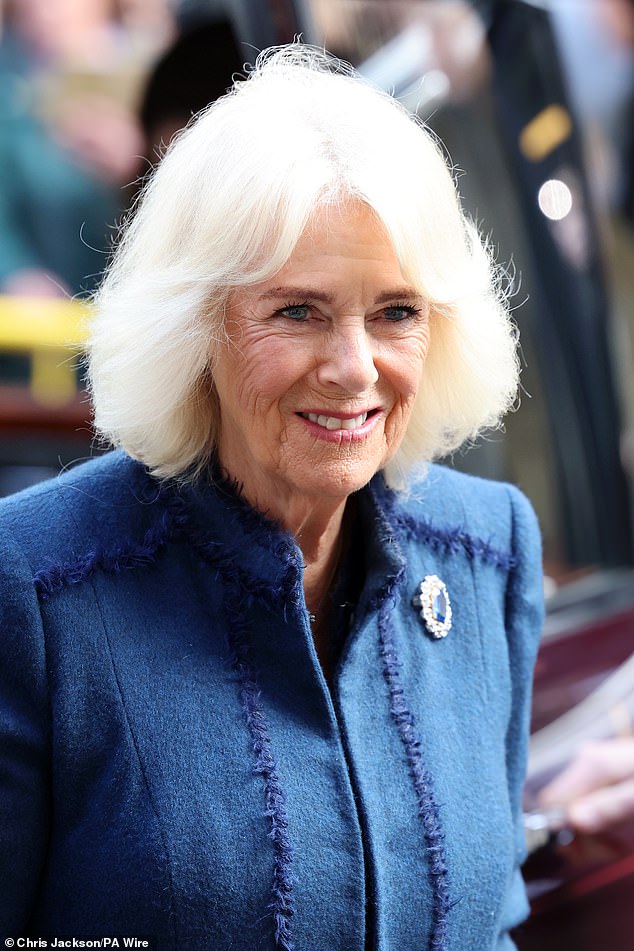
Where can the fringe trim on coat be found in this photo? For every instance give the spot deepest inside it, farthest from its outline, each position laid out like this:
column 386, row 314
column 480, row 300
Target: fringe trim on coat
column 264, row 765
column 427, row 806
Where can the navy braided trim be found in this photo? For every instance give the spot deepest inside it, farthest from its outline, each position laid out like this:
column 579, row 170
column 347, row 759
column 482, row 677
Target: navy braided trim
column 132, row 554
column 427, row 806
column 241, row 591
column 264, row 765
column 454, row 541
column 253, row 590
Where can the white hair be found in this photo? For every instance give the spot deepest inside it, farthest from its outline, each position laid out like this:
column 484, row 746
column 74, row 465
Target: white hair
column 226, row 207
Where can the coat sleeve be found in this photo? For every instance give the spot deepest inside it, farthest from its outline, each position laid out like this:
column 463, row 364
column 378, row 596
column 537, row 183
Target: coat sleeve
column 24, row 743
column 524, row 620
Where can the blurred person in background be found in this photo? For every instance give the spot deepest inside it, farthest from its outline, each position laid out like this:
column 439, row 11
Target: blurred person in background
column 596, row 789
column 591, row 35
column 69, row 139
column 196, row 69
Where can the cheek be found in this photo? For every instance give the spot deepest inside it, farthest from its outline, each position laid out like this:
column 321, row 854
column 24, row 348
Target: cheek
column 406, row 366
column 254, row 377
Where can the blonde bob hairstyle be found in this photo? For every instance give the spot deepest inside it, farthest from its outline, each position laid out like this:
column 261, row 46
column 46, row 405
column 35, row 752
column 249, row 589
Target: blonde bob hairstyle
column 225, row 208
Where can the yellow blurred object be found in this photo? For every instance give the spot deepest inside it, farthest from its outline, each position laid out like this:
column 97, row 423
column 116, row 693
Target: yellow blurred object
column 545, row 132
column 53, row 377
column 51, row 331
column 29, row 323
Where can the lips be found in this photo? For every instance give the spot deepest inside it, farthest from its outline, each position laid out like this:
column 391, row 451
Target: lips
column 333, row 423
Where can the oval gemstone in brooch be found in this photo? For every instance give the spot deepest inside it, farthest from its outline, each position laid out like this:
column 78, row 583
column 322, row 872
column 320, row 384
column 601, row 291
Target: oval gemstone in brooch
column 432, row 598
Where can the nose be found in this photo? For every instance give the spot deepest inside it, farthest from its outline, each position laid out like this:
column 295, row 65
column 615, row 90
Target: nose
column 347, row 359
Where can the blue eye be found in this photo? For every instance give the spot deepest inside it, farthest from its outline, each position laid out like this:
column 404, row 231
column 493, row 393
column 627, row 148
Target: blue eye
column 296, row 312
column 398, row 312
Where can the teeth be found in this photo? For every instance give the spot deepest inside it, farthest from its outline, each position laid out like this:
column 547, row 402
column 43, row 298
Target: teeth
column 353, row 423
column 331, row 422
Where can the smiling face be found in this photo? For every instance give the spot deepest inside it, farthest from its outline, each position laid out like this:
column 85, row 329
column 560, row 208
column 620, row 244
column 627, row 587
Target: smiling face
column 319, row 376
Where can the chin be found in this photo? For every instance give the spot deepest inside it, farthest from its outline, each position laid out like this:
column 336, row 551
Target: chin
column 338, row 485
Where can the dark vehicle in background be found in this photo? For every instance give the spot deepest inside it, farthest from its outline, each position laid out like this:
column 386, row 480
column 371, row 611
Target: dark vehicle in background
column 581, row 887
column 496, row 81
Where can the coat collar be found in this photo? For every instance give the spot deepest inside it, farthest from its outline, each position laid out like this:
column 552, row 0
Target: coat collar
column 219, row 520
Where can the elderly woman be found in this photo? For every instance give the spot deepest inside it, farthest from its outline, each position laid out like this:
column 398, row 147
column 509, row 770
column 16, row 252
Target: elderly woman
column 265, row 672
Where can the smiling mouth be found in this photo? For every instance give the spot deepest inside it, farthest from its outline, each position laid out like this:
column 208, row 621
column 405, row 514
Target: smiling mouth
column 334, row 423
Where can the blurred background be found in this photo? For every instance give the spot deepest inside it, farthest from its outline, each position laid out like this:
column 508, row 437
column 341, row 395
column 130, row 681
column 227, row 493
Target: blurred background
column 534, row 102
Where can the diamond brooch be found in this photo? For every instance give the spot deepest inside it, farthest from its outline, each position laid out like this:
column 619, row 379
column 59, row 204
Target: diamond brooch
column 435, row 607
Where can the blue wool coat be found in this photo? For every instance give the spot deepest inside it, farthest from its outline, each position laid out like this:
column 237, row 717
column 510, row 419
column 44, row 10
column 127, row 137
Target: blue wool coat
column 174, row 764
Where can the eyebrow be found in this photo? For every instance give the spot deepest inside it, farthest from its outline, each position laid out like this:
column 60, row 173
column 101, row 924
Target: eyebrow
column 311, row 293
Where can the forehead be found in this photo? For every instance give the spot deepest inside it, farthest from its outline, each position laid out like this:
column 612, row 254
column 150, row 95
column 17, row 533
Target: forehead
column 343, row 254
column 347, row 239
column 335, row 222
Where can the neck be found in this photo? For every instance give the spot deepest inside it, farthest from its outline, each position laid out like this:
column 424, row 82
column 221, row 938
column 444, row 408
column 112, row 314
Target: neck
column 321, row 546
column 315, row 521
column 317, row 524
